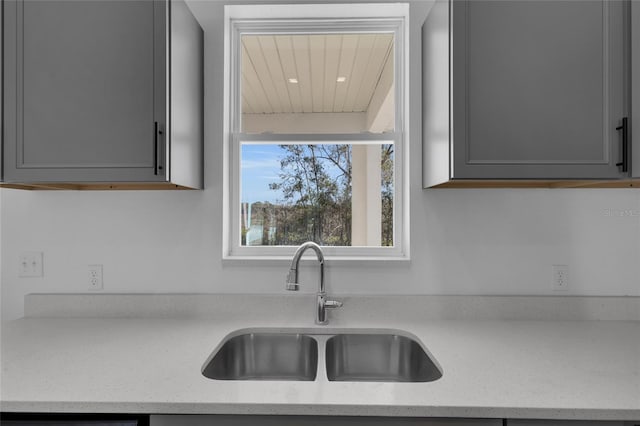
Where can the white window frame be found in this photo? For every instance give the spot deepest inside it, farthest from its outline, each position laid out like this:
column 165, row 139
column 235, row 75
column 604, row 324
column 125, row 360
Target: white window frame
column 314, row 18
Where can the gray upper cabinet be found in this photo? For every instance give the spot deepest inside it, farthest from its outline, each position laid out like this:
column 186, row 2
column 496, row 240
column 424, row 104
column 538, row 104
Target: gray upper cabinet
column 635, row 87
column 518, row 422
column 534, row 90
column 94, row 92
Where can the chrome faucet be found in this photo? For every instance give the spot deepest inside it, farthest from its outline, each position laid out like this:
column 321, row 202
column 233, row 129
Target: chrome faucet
column 292, row 282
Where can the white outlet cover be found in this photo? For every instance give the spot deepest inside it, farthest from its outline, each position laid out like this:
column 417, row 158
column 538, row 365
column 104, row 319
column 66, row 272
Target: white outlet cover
column 560, row 278
column 95, row 278
column 30, row 264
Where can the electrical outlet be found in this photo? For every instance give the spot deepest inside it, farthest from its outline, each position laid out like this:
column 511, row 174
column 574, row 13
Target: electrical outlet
column 30, row 264
column 95, row 277
column 560, row 281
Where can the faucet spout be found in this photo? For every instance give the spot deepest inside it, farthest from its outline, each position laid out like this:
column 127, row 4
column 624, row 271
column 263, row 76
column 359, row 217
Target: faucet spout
column 321, row 296
column 292, row 277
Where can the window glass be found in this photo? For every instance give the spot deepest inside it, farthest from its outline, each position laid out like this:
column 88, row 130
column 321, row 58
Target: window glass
column 333, row 194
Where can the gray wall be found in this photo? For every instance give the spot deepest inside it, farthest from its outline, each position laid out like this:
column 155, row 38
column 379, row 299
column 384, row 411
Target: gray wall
column 462, row 241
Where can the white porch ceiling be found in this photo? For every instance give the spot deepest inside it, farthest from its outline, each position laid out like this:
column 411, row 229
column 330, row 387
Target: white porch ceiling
column 315, row 62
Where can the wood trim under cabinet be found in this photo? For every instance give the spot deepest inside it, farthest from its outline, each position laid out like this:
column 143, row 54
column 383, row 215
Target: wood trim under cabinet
column 473, row 183
column 125, row 186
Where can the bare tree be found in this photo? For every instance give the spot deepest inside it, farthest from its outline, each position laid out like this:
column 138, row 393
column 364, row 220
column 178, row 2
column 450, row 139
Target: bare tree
column 315, row 183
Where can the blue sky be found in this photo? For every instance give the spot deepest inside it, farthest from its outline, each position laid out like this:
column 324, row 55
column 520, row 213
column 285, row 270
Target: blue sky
column 260, row 167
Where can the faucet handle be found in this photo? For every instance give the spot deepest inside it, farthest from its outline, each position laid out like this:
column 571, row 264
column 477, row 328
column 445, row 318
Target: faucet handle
column 332, row 304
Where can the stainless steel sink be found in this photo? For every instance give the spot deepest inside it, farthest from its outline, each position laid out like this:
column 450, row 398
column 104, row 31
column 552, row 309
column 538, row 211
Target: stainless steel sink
column 265, row 356
column 378, row 358
column 294, row 354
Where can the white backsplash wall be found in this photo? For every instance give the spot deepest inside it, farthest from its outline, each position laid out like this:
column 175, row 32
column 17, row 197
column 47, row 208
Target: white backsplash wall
column 474, row 242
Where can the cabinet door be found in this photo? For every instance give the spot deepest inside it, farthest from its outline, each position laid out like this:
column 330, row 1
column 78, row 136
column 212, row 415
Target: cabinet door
column 82, row 101
column 68, row 423
column 1, row 96
column 538, row 88
column 67, row 419
column 247, row 420
column 635, row 86
column 562, row 423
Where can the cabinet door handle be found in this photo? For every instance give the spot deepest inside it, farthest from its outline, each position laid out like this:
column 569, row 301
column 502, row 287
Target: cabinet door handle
column 625, row 144
column 155, row 148
column 157, row 152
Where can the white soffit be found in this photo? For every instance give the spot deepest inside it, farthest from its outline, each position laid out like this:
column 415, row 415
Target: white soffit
column 313, row 73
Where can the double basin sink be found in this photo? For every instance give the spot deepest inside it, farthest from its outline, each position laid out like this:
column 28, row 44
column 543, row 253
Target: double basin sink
column 359, row 356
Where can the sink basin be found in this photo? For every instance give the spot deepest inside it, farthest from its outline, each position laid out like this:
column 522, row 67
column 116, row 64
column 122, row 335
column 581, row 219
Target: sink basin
column 347, row 355
column 265, row 356
column 378, row 358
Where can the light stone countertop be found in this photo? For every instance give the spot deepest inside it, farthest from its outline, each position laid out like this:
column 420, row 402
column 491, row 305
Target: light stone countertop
column 492, row 368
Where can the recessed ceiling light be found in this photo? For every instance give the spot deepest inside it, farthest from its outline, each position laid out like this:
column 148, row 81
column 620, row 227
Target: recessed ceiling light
column 341, row 79
column 293, row 80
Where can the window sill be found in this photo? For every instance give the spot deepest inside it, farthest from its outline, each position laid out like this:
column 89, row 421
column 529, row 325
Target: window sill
column 339, row 260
